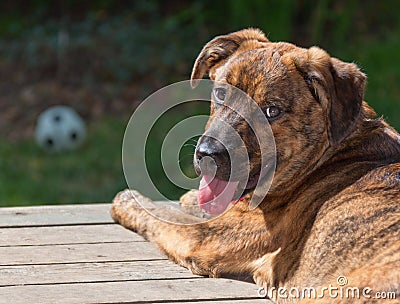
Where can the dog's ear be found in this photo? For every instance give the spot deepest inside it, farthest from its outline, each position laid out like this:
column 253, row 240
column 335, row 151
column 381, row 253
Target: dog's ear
column 219, row 49
column 338, row 86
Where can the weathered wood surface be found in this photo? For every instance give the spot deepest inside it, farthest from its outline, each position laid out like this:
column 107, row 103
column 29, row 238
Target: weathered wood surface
column 91, row 272
column 75, row 254
column 51, row 215
column 79, row 234
column 132, row 291
column 78, row 253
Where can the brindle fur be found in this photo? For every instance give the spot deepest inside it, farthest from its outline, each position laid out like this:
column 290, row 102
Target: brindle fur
column 334, row 205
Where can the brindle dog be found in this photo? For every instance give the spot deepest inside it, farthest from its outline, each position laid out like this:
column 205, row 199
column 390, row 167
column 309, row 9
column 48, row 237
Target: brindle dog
column 334, row 205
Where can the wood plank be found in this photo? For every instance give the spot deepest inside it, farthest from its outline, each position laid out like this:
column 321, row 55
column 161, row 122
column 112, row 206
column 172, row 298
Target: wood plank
column 132, row 292
column 238, row 301
column 57, row 235
column 78, row 253
column 91, row 272
column 59, row 215
column 55, row 215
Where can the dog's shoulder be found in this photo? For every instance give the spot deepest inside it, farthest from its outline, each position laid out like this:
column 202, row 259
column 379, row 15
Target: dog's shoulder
column 371, row 199
column 383, row 181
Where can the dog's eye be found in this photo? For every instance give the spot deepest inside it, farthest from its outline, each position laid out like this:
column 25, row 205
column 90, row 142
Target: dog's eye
column 272, row 112
column 220, row 95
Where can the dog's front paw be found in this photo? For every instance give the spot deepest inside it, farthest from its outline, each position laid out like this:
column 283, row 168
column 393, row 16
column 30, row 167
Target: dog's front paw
column 127, row 211
column 189, row 204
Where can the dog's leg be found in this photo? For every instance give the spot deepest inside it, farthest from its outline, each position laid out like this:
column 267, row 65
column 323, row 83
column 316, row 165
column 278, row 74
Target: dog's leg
column 210, row 248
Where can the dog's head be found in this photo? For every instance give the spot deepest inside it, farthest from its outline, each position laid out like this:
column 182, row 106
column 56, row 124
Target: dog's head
column 312, row 102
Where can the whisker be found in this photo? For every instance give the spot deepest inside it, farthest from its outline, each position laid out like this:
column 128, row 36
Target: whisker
column 194, row 140
column 184, row 157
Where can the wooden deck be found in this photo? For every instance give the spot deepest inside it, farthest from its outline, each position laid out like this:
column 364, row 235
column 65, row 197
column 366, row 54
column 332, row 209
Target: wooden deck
column 76, row 254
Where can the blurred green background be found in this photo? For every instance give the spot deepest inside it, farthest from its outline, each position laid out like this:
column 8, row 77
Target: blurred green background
column 103, row 57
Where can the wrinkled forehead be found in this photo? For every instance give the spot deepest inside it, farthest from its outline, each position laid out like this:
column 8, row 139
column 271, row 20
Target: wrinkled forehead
column 254, row 71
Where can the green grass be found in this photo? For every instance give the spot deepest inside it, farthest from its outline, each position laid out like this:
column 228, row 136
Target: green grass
column 381, row 63
column 30, row 176
column 91, row 174
column 380, row 60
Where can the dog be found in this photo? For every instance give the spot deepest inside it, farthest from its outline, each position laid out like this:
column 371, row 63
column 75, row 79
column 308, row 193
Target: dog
column 333, row 209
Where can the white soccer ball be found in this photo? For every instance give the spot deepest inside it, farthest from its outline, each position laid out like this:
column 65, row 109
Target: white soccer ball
column 59, row 128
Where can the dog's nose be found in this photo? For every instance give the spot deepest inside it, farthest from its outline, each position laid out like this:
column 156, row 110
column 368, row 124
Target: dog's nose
column 209, row 150
column 209, row 146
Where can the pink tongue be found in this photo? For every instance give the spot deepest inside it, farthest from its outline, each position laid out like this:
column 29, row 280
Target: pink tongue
column 215, row 195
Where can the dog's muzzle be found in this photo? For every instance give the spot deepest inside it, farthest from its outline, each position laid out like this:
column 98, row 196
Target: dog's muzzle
column 212, row 158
